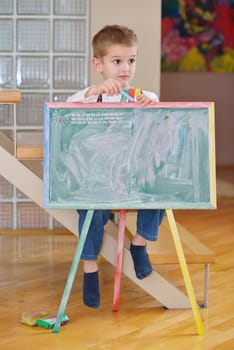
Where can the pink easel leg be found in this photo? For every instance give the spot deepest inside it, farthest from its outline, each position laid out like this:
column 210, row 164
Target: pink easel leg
column 119, row 260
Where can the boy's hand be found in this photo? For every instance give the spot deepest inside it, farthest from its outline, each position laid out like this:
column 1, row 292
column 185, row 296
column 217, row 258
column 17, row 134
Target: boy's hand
column 110, row 87
column 144, row 100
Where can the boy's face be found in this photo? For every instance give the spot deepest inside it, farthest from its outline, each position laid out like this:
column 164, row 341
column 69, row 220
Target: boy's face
column 119, row 63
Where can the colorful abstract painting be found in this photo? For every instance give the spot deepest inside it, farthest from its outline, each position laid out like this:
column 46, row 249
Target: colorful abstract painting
column 197, row 36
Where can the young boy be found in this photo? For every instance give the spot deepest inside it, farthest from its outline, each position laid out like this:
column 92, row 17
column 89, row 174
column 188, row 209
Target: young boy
column 115, row 51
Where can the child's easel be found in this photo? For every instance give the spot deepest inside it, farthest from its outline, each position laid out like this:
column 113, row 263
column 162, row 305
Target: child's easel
column 119, row 260
column 208, row 200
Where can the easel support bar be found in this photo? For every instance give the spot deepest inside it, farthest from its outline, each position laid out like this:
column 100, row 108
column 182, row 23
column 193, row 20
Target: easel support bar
column 185, row 272
column 119, row 260
column 73, row 270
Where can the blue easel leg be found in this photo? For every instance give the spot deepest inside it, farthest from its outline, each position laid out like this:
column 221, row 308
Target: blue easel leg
column 73, row 270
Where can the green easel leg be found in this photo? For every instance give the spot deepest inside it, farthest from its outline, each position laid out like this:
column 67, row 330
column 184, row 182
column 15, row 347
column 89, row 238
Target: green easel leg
column 73, row 270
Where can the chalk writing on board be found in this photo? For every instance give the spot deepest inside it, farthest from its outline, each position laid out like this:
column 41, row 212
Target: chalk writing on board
column 128, row 158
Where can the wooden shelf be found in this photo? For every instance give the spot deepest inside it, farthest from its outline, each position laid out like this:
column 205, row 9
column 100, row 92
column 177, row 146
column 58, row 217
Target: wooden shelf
column 164, row 252
column 10, row 96
column 29, row 145
column 29, row 152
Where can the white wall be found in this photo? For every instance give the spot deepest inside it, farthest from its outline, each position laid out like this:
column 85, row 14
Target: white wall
column 145, row 19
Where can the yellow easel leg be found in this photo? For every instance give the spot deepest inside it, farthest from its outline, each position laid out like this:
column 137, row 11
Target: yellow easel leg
column 185, row 272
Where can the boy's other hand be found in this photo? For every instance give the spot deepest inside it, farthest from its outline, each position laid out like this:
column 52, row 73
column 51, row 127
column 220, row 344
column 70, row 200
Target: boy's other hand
column 144, row 100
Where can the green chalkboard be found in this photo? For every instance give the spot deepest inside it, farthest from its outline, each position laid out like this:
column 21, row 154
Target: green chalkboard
column 100, row 156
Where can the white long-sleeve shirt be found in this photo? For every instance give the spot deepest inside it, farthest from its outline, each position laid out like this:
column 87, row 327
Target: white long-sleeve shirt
column 80, row 97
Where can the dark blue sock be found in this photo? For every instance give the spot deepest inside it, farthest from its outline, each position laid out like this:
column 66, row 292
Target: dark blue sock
column 91, row 295
column 141, row 261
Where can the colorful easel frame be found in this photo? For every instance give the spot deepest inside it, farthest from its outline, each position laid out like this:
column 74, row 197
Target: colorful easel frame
column 211, row 203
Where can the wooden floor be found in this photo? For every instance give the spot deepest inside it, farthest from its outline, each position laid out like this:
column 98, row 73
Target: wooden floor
column 33, row 274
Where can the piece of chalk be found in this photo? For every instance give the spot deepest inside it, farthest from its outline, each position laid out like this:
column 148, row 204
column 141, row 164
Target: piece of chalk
column 137, row 92
column 125, row 94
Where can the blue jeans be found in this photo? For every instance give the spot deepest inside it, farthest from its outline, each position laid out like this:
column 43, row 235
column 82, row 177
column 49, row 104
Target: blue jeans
column 148, row 221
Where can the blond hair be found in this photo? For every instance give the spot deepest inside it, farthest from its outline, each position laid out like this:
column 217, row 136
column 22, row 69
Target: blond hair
column 112, row 35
